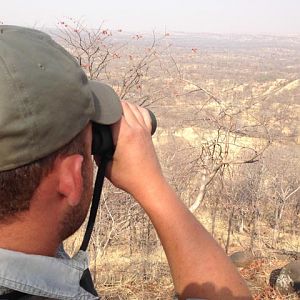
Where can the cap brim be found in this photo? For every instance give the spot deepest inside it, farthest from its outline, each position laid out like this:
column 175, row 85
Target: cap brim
column 108, row 109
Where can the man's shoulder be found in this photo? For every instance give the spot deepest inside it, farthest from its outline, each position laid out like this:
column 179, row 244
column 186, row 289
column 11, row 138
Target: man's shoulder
column 49, row 277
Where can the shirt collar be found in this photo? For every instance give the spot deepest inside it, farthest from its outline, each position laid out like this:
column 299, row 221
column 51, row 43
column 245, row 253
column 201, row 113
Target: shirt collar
column 44, row 276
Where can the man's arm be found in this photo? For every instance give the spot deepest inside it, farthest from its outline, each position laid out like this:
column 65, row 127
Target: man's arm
column 199, row 266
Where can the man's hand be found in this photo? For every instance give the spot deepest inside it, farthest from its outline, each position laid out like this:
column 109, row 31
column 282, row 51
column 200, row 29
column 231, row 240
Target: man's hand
column 134, row 163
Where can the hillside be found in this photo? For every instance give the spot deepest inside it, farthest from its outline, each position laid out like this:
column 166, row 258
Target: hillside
column 228, row 109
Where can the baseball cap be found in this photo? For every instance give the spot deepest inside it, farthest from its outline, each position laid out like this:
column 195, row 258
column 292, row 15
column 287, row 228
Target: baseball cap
column 46, row 99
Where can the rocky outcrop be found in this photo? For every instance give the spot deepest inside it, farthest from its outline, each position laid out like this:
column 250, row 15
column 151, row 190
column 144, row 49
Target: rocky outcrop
column 242, row 259
column 288, row 278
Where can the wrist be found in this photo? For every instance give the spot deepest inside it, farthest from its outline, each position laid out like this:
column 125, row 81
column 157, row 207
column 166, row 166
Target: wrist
column 152, row 190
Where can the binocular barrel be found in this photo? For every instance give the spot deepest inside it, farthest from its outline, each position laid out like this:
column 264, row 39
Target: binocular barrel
column 153, row 121
column 102, row 143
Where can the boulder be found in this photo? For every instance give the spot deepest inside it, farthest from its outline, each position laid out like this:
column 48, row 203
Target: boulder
column 273, row 277
column 288, row 280
column 242, row 259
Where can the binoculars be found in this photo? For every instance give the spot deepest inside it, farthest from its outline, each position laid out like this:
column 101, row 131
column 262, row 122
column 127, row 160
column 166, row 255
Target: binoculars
column 102, row 142
column 103, row 146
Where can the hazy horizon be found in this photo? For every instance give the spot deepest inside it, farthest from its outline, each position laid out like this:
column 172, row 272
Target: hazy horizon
column 190, row 16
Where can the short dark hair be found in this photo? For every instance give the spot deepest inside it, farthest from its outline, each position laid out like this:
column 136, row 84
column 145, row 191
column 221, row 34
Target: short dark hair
column 17, row 186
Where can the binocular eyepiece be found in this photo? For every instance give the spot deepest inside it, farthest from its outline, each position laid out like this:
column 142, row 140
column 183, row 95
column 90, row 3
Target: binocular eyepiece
column 102, row 142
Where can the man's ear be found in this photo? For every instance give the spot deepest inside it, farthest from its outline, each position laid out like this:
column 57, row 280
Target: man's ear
column 70, row 184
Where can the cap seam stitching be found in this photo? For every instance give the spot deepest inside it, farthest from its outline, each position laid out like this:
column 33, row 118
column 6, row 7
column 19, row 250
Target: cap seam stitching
column 26, row 110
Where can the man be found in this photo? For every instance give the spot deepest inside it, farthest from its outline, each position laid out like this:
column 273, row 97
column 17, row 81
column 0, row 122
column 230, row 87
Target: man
column 47, row 106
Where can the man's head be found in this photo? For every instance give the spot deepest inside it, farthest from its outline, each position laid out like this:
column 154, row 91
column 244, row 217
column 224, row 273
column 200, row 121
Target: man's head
column 46, row 106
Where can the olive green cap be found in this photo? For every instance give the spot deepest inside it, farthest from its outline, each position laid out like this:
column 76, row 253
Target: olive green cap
column 45, row 97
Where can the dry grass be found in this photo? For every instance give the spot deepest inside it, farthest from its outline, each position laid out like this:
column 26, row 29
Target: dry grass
column 133, row 277
column 141, row 275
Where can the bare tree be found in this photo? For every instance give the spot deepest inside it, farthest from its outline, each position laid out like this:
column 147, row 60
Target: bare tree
column 224, row 146
column 116, row 61
column 282, row 193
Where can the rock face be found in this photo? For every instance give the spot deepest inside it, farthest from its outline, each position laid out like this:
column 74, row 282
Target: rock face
column 242, row 259
column 273, row 277
column 288, row 280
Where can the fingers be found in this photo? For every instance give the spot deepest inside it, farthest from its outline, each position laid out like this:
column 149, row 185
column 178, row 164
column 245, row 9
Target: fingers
column 133, row 117
column 136, row 110
column 135, row 114
column 146, row 117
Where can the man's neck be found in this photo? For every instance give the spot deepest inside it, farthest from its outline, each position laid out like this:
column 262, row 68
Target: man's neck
column 28, row 237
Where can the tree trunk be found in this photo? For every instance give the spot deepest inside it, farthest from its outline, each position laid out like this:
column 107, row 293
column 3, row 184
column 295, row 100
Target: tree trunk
column 214, row 216
column 229, row 231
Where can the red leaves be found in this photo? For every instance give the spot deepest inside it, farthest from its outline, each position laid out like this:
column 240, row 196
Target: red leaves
column 116, row 55
column 137, row 37
column 63, row 24
column 85, row 66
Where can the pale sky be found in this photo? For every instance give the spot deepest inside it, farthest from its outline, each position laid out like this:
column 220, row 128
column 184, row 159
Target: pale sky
column 218, row 16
